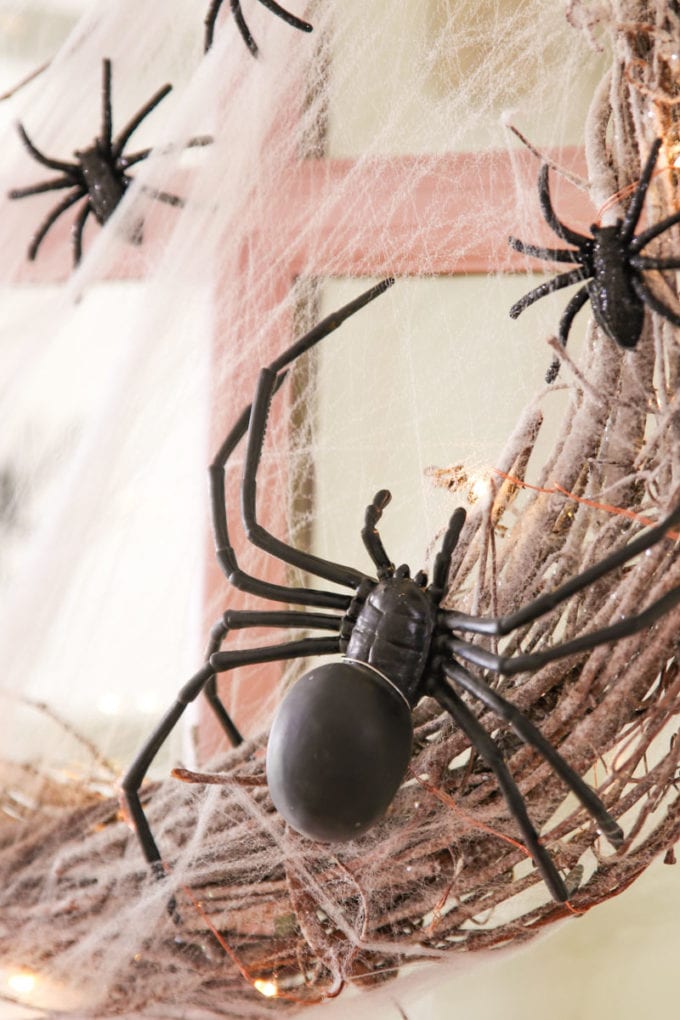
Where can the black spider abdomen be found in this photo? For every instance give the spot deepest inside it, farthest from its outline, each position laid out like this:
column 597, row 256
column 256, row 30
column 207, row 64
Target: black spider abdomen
column 104, row 184
column 338, row 750
column 393, row 633
column 616, row 307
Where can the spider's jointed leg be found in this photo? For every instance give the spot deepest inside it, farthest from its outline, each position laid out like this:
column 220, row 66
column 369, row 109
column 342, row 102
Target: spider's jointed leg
column 500, row 625
column 557, row 283
column 218, row 662
column 371, row 537
column 255, row 422
column 49, row 221
column 527, row 732
column 246, row 35
column 489, row 751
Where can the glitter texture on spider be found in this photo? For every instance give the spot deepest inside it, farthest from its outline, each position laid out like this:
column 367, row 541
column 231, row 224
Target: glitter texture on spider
column 611, row 262
column 271, row 5
column 100, row 176
column 341, row 739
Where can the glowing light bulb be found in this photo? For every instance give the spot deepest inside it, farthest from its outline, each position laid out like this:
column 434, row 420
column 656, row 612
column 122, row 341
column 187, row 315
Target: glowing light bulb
column 479, row 486
column 266, row 988
column 109, row 703
column 22, row 982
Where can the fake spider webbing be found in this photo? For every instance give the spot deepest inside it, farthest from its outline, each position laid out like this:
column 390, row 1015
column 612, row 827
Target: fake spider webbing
column 430, row 881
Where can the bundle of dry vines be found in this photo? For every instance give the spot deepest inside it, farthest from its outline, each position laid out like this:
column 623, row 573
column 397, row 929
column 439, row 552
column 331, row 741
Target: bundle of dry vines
column 265, row 910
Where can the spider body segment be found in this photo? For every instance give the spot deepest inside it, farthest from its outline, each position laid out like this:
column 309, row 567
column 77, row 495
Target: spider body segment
column 241, row 24
column 340, row 742
column 609, row 265
column 99, row 176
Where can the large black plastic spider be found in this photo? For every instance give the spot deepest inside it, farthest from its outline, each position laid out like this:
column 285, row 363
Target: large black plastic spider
column 341, row 739
column 611, row 260
column 271, row 5
column 100, row 174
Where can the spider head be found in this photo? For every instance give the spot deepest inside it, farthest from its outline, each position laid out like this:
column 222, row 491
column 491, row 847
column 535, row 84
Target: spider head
column 338, row 750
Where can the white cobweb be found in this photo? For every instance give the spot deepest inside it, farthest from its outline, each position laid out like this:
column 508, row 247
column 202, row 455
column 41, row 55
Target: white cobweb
column 120, row 379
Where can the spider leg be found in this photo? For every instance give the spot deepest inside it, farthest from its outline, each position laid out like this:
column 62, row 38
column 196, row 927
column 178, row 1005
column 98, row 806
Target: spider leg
column 442, row 561
column 574, row 306
column 226, row 555
column 527, row 732
column 371, row 537
column 160, row 196
column 637, row 201
column 121, row 139
column 643, row 262
column 124, row 162
column 53, row 164
column 49, row 221
column 550, row 254
column 286, row 16
column 646, row 236
column 37, row 189
column 237, row 14
column 266, row 388
column 487, row 748
column 218, row 662
column 235, row 619
column 210, row 19
column 507, row 665
column 107, row 116
column 246, row 35
column 556, row 283
column 200, row 141
column 77, row 233
column 549, row 214
column 649, row 298
column 499, row 625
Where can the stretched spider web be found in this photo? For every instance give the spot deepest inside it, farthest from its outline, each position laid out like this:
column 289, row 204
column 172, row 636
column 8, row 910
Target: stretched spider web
column 338, row 157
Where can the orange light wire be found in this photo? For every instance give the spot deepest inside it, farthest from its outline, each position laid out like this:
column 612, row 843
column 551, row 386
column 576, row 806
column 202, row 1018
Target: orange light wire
column 309, row 1000
column 558, row 490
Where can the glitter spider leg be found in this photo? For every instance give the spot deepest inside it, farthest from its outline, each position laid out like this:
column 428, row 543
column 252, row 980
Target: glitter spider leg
column 648, row 297
column 77, row 232
column 68, row 181
column 564, row 232
column 121, row 139
column 634, row 210
column 557, row 283
column 107, row 113
column 646, row 236
column 237, row 13
column 488, row 750
column 48, row 161
column 574, row 306
column 49, row 221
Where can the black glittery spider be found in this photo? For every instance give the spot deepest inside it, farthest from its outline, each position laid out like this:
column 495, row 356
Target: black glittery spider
column 271, row 5
column 100, row 174
column 341, row 740
column 611, row 261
